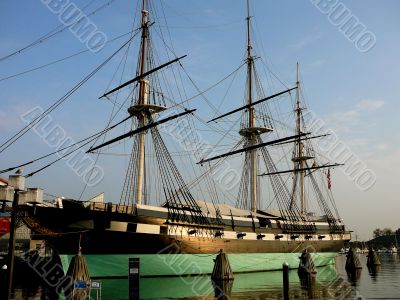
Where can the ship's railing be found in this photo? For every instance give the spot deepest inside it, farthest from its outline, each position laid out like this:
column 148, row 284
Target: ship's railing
column 113, row 208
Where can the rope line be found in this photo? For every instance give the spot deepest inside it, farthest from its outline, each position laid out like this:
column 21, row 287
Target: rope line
column 54, row 32
column 57, row 61
column 35, row 121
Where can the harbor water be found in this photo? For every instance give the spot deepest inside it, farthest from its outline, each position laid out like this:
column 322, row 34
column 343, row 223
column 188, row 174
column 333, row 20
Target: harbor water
column 331, row 282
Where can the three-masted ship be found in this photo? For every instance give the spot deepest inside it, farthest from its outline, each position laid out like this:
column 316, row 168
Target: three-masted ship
column 180, row 236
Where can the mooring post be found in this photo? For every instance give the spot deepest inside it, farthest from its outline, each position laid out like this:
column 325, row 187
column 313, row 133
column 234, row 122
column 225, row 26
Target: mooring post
column 306, row 265
column 11, row 244
column 285, row 281
column 3, row 281
column 352, row 261
column 222, row 270
column 373, row 258
column 134, row 278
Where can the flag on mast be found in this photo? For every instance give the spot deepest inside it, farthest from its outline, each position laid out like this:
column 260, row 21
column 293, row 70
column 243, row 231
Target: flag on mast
column 328, row 176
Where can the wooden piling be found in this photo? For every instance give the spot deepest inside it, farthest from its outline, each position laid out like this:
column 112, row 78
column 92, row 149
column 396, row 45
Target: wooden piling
column 134, row 278
column 222, row 269
column 11, row 245
column 352, row 261
column 285, row 267
column 3, row 280
column 373, row 258
column 79, row 273
column 308, row 282
column 222, row 289
column 354, row 275
column 306, row 265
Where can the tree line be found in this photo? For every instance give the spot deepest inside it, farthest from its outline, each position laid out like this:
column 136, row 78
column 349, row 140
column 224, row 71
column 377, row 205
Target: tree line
column 385, row 231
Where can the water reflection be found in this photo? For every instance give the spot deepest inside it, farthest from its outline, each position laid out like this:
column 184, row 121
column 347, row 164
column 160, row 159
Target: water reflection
column 376, row 281
column 354, row 276
column 222, row 289
column 331, row 282
column 309, row 284
column 326, row 284
column 373, row 271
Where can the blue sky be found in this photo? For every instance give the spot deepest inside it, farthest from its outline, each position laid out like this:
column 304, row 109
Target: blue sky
column 355, row 93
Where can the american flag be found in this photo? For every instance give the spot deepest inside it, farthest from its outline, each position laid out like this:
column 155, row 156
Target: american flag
column 328, row 176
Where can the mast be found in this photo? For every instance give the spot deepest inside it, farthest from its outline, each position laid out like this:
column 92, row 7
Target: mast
column 142, row 109
column 300, row 157
column 252, row 132
column 299, row 143
column 252, row 138
column 142, row 101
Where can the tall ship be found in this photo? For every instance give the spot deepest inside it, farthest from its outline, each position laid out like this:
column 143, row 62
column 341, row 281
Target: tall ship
column 175, row 222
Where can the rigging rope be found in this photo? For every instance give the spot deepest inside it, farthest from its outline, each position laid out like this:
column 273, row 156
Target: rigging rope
column 112, row 114
column 91, row 138
column 35, row 121
column 54, row 32
column 58, row 60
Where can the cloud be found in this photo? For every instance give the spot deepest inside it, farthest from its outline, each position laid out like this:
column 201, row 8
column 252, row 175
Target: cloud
column 307, row 40
column 358, row 142
column 346, row 121
column 381, row 146
column 10, row 117
column 317, row 63
column 382, row 164
column 370, row 104
column 342, row 122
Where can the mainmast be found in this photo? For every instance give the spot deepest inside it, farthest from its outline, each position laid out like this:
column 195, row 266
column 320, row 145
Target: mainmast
column 141, row 109
column 251, row 132
column 142, row 100
column 252, row 138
